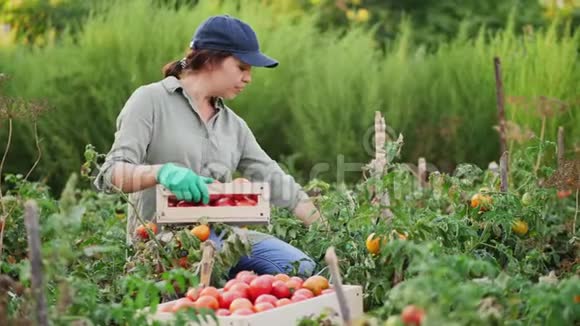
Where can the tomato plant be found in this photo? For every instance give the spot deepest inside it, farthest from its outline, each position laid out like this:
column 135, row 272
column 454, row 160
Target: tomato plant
column 510, row 259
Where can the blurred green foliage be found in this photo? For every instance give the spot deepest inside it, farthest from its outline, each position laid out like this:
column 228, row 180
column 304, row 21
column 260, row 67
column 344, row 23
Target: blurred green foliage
column 41, row 21
column 330, row 83
column 433, row 20
column 33, row 21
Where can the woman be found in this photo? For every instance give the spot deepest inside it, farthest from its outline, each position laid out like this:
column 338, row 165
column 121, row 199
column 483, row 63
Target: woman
column 179, row 133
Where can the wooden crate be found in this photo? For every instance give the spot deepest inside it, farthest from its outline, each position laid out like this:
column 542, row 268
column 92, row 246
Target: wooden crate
column 237, row 215
column 287, row 315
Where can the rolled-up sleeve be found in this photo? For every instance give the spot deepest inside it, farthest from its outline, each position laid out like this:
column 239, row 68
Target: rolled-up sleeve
column 132, row 137
column 256, row 165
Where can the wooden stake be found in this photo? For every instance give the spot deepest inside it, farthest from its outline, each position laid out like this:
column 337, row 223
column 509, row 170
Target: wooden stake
column 332, row 262
column 503, row 169
column 33, row 231
column 207, row 260
column 380, row 162
column 380, row 139
column 500, row 104
column 422, row 173
column 561, row 150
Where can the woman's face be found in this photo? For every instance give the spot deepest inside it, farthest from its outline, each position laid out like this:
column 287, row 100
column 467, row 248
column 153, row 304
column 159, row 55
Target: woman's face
column 230, row 78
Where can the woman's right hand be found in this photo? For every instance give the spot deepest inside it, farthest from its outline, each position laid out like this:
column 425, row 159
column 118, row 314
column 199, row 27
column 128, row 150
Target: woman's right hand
column 184, row 183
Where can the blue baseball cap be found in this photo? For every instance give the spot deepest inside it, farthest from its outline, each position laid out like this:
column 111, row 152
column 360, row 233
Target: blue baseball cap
column 227, row 33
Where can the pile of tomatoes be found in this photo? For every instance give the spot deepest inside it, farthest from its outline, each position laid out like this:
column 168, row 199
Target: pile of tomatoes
column 217, row 200
column 249, row 294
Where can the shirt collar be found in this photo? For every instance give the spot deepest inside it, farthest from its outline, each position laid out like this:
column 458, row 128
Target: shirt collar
column 219, row 103
column 172, row 84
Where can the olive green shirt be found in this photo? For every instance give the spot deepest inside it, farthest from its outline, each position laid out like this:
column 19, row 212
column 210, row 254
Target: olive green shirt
column 160, row 123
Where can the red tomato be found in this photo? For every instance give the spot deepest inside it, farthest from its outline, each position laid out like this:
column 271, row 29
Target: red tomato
column 293, row 285
column 243, row 312
column 282, row 277
column 242, row 273
column 183, row 263
column 297, row 280
column 260, row 285
column 250, row 198
column 240, row 287
column 304, row 292
column 193, row 294
column 222, row 312
column 247, row 278
column 562, row 194
column 283, row 302
column 266, row 298
column 172, row 201
column 298, row 298
column 184, row 203
column 141, row 230
column 245, row 201
column 207, row 302
column 263, row 306
column 230, row 283
column 412, row 315
column 269, row 277
column 211, row 291
column 237, row 197
column 241, row 303
column 225, row 201
column 183, row 303
column 280, row 289
column 225, row 300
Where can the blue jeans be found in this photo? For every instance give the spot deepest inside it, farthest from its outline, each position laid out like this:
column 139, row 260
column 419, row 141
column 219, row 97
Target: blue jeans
column 270, row 256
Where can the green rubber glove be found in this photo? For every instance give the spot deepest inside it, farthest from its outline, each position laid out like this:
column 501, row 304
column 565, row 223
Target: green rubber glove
column 184, row 183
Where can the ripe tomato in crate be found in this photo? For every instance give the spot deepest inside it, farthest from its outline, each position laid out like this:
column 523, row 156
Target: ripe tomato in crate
column 232, row 203
column 239, row 307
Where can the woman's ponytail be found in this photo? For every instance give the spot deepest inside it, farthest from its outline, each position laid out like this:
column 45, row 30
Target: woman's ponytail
column 173, row 68
column 195, row 60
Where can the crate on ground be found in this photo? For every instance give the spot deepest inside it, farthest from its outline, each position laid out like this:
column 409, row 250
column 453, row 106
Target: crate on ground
column 287, row 315
column 237, row 203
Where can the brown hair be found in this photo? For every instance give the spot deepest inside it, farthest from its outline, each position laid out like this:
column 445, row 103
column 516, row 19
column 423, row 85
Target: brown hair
column 195, row 60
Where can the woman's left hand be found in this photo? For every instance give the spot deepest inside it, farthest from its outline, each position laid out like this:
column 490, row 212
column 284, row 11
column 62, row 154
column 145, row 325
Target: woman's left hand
column 306, row 212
